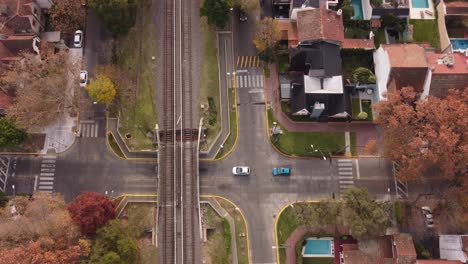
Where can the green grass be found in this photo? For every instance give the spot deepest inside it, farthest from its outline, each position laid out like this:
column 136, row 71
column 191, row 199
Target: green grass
column 426, row 31
column 115, row 147
column 379, row 37
column 231, row 140
column 354, row 148
column 283, row 63
column 318, row 260
column 138, row 113
column 209, row 83
column 366, row 107
column 298, row 143
column 227, row 235
column 355, row 107
column 216, row 249
column 352, row 59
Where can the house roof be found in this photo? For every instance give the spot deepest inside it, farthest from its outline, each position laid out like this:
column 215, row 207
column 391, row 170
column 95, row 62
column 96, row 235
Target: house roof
column 437, row 61
column 358, row 44
column 456, row 8
column 319, row 24
column 288, row 31
column 359, row 257
column 322, row 57
column 17, row 44
column 404, row 245
column 451, row 247
column 406, row 55
column 438, row 261
column 333, row 85
column 17, row 19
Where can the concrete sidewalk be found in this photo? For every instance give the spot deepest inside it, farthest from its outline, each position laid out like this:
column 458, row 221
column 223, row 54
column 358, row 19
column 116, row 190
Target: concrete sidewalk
column 60, row 135
column 364, row 131
column 112, row 128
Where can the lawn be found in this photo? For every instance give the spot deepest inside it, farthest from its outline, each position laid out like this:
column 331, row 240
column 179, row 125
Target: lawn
column 298, row 143
column 210, row 85
column 367, row 107
column 355, row 107
column 217, row 248
column 426, row 31
column 318, row 260
column 231, row 140
column 133, row 53
column 352, row 59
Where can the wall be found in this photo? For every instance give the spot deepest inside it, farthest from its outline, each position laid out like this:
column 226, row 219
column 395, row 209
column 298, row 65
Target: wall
column 382, row 71
column 444, row 38
column 366, row 9
column 427, row 84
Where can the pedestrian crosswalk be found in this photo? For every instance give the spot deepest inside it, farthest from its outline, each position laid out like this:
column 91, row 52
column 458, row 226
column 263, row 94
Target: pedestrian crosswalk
column 89, row 128
column 249, row 81
column 46, row 177
column 345, row 173
column 248, row 62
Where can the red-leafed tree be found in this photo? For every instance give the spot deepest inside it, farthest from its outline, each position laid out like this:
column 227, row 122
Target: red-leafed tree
column 90, row 211
column 426, row 137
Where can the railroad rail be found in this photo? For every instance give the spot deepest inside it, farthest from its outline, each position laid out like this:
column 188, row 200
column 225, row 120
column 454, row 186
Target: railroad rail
column 178, row 207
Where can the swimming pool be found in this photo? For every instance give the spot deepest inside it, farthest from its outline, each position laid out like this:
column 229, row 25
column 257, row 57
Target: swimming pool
column 318, row 247
column 459, row 44
column 357, row 6
column 420, row 3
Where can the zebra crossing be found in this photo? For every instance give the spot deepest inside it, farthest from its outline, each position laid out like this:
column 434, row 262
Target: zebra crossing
column 345, row 173
column 89, row 128
column 249, row 81
column 248, row 62
column 46, row 177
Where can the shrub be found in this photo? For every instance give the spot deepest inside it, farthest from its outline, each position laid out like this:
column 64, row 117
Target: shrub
column 10, row 135
column 362, row 116
column 398, row 212
column 363, row 76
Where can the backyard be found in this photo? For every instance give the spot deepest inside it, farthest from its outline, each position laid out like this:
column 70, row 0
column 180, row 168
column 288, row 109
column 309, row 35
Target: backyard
column 209, row 92
column 133, row 54
column 426, row 31
column 361, row 104
column 353, row 59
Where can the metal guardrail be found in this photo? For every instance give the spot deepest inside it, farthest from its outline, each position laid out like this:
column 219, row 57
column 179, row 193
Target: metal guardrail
column 401, row 188
column 4, row 172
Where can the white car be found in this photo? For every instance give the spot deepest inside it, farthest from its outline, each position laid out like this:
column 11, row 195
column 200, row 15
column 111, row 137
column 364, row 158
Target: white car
column 241, row 170
column 83, row 78
column 78, row 39
column 428, row 218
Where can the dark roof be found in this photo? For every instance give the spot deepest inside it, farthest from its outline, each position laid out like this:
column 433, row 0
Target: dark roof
column 308, row 3
column 400, row 12
column 297, row 100
column 318, row 56
column 17, row 44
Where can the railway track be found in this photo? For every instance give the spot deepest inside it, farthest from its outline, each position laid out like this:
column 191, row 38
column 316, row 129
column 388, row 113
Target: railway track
column 178, row 207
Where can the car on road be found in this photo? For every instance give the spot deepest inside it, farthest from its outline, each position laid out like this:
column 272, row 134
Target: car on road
column 428, row 217
column 242, row 16
column 78, row 39
column 241, row 170
column 281, row 171
column 83, row 78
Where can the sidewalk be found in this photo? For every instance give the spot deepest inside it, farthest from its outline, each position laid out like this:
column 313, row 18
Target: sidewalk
column 112, row 128
column 60, row 135
column 364, row 131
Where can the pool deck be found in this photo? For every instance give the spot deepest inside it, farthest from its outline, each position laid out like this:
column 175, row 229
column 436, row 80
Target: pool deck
column 420, row 13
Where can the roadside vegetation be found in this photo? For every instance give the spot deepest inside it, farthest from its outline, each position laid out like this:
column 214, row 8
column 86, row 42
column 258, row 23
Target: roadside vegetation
column 231, row 140
column 217, row 248
column 114, row 146
column 209, row 95
column 299, row 143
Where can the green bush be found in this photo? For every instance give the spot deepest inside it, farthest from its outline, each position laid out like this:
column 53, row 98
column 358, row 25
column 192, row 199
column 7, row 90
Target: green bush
column 390, row 20
column 421, row 251
column 217, row 12
column 398, row 212
column 362, row 116
column 10, row 135
column 363, row 75
column 118, row 16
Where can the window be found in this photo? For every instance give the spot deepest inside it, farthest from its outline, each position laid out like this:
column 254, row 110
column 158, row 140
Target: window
column 34, row 23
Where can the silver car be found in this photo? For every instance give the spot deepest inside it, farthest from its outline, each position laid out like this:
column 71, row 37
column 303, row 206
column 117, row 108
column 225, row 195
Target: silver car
column 241, row 170
column 428, row 217
column 78, row 39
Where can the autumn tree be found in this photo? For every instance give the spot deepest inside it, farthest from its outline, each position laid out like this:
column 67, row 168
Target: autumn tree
column 91, row 211
column 118, row 15
column 101, row 89
column 426, row 136
column 10, row 135
column 364, row 215
column 216, row 11
column 371, row 147
column 42, row 87
column 113, row 245
column 67, row 15
column 246, row 5
column 267, row 34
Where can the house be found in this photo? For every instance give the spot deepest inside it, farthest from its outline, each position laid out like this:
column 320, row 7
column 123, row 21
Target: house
column 451, row 25
column 449, row 71
column 401, row 65
column 21, row 17
column 454, row 247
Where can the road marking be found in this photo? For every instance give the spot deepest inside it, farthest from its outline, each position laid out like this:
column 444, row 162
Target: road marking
column 45, row 183
column 346, row 182
column 256, row 91
column 345, row 177
column 50, row 157
column 345, row 161
column 358, row 175
column 47, row 178
column 45, row 187
column 47, row 170
column 345, row 186
column 345, row 168
column 238, row 60
column 345, row 173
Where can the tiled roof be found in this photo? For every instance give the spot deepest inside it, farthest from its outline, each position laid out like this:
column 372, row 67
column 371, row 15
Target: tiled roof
column 415, row 78
column 18, row 18
column 459, row 66
column 359, row 257
column 406, row 55
column 323, row 24
column 438, row 261
column 456, row 8
column 404, row 245
column 358, row 44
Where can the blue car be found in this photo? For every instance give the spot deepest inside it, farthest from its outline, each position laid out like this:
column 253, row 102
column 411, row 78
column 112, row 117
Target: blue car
column 281, row 171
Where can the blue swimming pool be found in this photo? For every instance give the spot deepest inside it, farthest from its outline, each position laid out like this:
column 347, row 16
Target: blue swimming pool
column 459, row 44
column 319, row 247
column 420, row 3
column 357, row 6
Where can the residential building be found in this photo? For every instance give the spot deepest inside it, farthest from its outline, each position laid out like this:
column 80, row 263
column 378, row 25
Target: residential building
column 23, row 17
column 454, row 247
column 449, row 71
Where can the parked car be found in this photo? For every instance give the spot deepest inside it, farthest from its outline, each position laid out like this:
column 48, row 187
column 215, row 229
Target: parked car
column 428, row 218
column 241, row 171
column 78, row 39
column 281, row 171
column 83, row 78
column 242, row 16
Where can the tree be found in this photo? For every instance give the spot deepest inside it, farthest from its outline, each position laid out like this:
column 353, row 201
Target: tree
column 426, row 136
column 216, row 11
column 101, row 89
column 246, row 5
column 9, row 134
column 371, row 147
column 67, row 15
column 362, row 75
column 113, row 245
column 91, row 211
column 118, row 15
column 42, row 87
column 365, row 216
column 3, row 199
column 348, row 10
column 267, row 34
column 392, row 21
